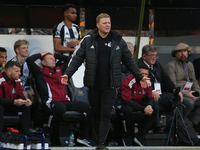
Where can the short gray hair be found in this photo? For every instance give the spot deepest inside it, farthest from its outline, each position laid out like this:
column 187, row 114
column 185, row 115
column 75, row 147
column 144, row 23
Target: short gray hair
column 148, row 48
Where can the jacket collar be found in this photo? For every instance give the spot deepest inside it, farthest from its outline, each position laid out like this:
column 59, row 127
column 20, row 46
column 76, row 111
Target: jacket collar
column 6, row 77
column 108, row 37
column 114, row 35
column 50, row 68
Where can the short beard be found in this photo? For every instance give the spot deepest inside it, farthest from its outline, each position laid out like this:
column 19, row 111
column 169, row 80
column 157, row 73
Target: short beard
column 183, row 59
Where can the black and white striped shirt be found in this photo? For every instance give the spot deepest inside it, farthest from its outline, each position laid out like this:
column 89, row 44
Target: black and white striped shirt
column 66, row 35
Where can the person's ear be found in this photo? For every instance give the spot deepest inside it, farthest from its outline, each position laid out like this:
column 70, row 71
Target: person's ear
column 143, row 56
column 97, row 25
column 9, row 72
column 43, row 62
column 65, row 13
column 17, row 50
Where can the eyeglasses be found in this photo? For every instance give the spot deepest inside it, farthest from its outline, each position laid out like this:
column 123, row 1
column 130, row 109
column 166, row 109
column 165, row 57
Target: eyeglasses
column 153, row 56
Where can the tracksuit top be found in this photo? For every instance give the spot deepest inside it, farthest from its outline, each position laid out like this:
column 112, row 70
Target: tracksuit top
column 132, row 90
column 48, row 80
column 10, row 90
column 56, row 89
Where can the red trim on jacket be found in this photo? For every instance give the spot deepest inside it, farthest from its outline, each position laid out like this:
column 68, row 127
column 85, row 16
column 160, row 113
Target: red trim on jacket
column 10, row 90
column 53, row 78
column 131, row 90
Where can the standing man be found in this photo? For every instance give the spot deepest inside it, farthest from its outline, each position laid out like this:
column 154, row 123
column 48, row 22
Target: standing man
column 21, row 50
column 3, row 58
column 66, row 34
column 162, row 86
column 103, row 50
column 12, row 99
column 181, row 72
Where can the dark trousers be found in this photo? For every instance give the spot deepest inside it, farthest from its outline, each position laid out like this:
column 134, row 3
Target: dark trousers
column 165, row 103
column 164, row 100
column 195, row 117
column 101, row 102
column 59, row 108
column 146, row 125
column 13, row 111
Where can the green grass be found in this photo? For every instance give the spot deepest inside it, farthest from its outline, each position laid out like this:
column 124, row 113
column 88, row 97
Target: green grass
column 162, row 149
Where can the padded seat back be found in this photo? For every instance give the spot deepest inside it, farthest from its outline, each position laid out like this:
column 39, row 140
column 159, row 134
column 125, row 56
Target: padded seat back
column 10, row 121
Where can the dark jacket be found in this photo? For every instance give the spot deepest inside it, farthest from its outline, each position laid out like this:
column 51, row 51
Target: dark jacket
column 166, row 83
column 88, row 49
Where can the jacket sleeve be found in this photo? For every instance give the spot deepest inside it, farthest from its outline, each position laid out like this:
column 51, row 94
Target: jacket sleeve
column 168, row 83
column 128, row 61
column 62, row 57
column 126, row 90
column 170, row 71
column 3, row 101
column 77, row 59
column 148, row 100
column 195, row 86
column 33, row 67
column 7, row 102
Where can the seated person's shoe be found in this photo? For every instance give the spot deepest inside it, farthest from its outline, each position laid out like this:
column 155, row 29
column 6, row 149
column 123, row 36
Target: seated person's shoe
column 127, row 141
column 86, row 141
column 101, row 147
column 137, row 142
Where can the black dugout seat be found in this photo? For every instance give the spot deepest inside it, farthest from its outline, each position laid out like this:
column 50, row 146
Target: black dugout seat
column 10, row 122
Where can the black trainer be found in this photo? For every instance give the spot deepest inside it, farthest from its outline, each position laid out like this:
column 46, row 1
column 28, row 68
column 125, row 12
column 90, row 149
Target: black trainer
column 101, row 147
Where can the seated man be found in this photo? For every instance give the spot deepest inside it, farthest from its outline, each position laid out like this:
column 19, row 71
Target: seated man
column 135, row 98
column 3, row 58
column 21, row 50
column 12, row 99
column 54, row 94
column 181, row 72
column 162, row 86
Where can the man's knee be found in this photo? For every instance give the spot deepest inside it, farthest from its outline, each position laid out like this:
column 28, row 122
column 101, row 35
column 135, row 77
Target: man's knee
column 85, row 107
column 58, row 108
column 127, row 110
column 188, row 102
column 106, row 114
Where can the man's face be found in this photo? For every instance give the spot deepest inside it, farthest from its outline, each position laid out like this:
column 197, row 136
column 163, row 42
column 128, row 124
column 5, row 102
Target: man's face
column 14, row 73
column 71, row 14
column 104, row 25
column 3, row 57
column 145, row 72
column 49, row 61
column 150, row 58
column 130, row 47
column 22, row 50
column 182, row 55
